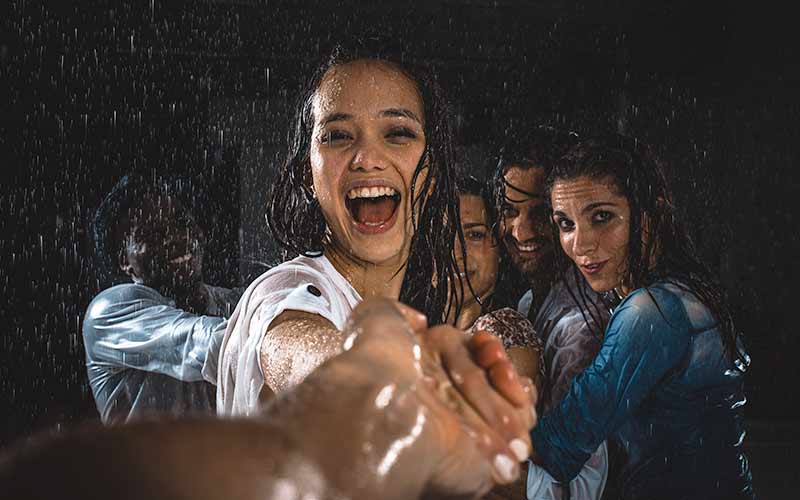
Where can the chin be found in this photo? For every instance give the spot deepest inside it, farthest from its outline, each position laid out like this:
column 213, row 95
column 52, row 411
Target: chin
column 380, row 254
column 599, row 285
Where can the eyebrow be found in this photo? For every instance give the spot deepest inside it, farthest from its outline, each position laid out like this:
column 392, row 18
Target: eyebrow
column 587, row 208
column 470, row 225
column 389, row 112
column 592, row 206
column 401, row 113
column 335, row 117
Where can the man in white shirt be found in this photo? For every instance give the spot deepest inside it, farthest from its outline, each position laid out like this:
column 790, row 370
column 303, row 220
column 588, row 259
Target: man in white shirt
column 152, row 343
column 569, row 331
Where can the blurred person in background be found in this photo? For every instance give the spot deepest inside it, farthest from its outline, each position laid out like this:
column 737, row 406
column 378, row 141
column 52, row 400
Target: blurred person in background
column 152, row 337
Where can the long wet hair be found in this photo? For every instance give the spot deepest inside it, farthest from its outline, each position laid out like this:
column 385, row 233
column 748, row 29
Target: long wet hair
column 659, row 247
column 295, row 217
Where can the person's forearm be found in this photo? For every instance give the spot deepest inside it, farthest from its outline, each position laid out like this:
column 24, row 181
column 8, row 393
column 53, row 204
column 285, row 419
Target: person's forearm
column 372, row 443
column 325, row 439
column 526, row 361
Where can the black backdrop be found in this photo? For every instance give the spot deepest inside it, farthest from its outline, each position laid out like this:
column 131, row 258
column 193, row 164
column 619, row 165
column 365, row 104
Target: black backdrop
column 90, row 90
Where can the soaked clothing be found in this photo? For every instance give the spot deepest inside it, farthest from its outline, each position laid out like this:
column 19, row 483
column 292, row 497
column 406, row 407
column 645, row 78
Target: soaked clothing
column 145, row 356
column 307, row 284
column 664, row 389
column 511, row 327
column 570, row 345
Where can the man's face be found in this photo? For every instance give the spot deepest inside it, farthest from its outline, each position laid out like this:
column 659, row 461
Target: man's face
column 163, row 249
column 524, row 222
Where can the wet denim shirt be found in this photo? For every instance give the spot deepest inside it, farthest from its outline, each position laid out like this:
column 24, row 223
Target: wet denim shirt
column 664, row 389
column 145, row 356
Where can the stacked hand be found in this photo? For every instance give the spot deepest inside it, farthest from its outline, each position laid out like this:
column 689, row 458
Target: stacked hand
column 475, row 411
column 407, row 411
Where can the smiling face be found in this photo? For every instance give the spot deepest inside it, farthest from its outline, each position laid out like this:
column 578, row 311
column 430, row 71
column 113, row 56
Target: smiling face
column 483, row 255
column 368, row 139
column 524, row 223
column 593, row 221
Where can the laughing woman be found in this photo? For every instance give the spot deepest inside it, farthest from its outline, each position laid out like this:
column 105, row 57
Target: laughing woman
column 364, row 197
column 667, row 383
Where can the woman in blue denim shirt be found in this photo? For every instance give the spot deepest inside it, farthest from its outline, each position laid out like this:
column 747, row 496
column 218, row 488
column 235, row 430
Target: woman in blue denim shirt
column 666, row 386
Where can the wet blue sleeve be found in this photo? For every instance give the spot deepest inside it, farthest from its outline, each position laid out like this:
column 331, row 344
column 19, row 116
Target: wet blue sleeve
column 135, row 327
column 643, row 341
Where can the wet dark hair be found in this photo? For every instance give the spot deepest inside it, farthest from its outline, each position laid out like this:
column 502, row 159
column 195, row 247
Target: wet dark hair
column 469, row 185
column 129, row 197
column 669, row 253
column 295, row 217
column 540, row 146
column 526, row 147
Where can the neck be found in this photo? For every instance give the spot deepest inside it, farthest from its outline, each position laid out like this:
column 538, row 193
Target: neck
column 540, row 287
column 469, row 313
column 368, row 278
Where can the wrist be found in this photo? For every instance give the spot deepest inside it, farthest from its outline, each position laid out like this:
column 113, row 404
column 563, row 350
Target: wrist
column 372, row 444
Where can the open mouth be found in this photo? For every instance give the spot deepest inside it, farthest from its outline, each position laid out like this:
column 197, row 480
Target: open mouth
column 527, row 248
column 373, row 208
column 593, row 268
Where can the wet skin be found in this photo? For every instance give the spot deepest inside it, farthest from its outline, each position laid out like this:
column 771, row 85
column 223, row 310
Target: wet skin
column 482, row 263
column 163, row 249
column 368, row 133
column 593, row 221
column 483, row 257
column 524, row 223
column 429, row 414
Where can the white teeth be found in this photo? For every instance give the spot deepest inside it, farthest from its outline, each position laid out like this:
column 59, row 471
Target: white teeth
column 527, row 248
column 181, row 259
column 370, row 192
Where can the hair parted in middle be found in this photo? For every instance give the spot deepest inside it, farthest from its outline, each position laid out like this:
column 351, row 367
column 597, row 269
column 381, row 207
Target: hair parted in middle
column 295, row 217
column 659, row 248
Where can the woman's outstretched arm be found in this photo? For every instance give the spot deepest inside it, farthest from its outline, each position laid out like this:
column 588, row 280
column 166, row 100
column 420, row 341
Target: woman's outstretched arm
column 404, row 412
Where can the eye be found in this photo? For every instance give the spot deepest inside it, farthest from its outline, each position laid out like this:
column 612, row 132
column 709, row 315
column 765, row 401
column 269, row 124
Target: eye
column 564, row 225
column 475, row 235
column 334, row 137
column 602, row 216
column 509, row 211
column 401, row 135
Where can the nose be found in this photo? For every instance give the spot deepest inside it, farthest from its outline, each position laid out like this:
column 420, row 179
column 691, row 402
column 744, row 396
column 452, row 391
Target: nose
column 369, row 155
column 524, row 228
column 584, row 241
column 459, row 254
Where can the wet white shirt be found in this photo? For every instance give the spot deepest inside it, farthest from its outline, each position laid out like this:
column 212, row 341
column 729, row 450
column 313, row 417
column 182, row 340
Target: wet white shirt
column 569, row 347
column 307, row 284
column 145, row 356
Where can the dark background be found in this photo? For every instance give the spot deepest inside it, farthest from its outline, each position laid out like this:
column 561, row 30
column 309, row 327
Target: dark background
column 92, row 90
